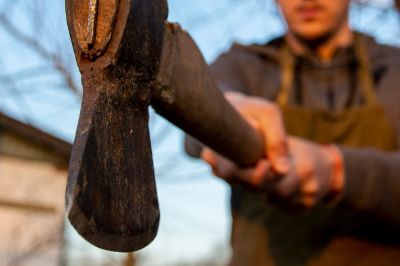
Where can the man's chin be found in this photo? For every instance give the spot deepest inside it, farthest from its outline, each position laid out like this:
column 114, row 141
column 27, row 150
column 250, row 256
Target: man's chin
column 313, row 38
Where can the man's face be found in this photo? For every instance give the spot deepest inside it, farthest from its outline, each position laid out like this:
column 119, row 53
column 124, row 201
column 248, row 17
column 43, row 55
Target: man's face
column 314, row 19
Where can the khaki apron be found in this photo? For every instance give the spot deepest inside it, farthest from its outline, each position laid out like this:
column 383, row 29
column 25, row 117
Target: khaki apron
column 263, row 234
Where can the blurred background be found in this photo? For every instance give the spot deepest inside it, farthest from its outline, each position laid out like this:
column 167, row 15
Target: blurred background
column 40, row 95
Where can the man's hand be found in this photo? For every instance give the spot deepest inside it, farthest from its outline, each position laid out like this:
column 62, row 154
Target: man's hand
column 319, row 170
column 295, row 170
column 265, row 117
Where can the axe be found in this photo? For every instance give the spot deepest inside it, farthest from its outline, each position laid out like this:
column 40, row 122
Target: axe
column 111, row 197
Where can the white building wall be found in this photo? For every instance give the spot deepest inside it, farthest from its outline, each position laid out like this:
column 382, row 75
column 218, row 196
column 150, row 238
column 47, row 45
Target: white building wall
column 31, row 212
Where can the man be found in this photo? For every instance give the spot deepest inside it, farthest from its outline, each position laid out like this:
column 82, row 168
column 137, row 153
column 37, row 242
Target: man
column 326, row 101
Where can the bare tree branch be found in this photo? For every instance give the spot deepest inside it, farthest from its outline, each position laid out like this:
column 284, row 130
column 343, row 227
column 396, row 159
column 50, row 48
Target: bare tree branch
column 54, row 58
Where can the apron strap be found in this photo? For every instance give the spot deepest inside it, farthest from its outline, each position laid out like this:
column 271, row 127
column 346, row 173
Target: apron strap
column 364, row 74
column 287, row 75
column 364, row 71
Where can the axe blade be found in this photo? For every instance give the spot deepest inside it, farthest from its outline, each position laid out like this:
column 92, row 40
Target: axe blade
column 111, row 195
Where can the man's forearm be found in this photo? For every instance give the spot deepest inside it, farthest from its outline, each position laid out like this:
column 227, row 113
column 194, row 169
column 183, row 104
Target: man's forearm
column 373, row 181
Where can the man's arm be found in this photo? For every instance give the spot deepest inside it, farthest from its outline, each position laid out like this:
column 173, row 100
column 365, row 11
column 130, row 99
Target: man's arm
column 372, row 177
column 369, row 180
column 372, row 181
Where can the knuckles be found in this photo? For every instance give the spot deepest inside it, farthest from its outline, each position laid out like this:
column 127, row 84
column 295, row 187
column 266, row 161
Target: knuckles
column 252, row 104
column 272, row 109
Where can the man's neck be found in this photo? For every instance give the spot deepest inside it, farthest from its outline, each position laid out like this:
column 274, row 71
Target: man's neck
column 323, row 48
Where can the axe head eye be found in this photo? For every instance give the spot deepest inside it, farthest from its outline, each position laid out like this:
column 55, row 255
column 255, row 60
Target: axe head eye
column 92, row 25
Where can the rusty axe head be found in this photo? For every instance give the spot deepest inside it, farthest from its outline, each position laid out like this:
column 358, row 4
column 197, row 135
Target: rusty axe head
column 111, row 195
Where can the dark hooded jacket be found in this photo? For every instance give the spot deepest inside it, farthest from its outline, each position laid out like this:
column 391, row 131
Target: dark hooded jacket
column 372, row 193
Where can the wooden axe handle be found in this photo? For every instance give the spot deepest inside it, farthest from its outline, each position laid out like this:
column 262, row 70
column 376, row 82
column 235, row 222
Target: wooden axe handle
column 193, row 103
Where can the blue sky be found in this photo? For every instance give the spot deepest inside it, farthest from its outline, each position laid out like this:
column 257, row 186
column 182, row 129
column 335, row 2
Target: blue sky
column 194, row 206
